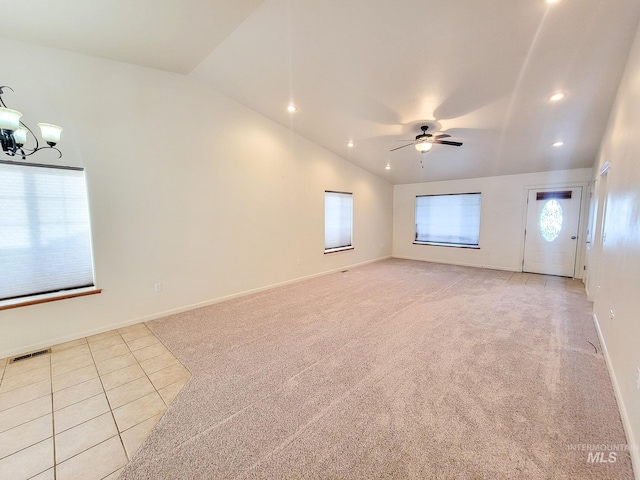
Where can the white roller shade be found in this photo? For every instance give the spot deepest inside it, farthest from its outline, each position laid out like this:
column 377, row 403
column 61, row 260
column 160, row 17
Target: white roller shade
column 448, row 219
column 338, row 220
column 45, row 234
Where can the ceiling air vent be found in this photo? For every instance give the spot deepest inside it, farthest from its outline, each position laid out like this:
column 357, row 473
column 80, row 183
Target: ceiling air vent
column 30, row 355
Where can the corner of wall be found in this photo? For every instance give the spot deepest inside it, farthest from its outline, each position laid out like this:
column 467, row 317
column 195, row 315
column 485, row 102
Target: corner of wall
column 634, row 449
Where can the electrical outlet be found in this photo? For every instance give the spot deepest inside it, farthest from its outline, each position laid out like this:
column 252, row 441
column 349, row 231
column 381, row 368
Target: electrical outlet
column 611, row 314
column 298, row 262
column 157, row 287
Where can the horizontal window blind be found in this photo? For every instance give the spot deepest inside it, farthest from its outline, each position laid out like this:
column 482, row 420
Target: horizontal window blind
column 448, row 219
column 45, row 235
column 338, row 219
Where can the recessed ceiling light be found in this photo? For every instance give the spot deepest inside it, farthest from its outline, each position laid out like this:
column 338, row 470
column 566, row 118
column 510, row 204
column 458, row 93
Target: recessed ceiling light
column 552, row 1
column 558, row 144
column 292, row 108
column 556, row 96
column 388, row 167
column 350, row 144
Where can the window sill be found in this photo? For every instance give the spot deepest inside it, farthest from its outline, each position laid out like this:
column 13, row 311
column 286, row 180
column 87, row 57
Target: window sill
column 338, row 249
column 48, row 297
column 455, row 245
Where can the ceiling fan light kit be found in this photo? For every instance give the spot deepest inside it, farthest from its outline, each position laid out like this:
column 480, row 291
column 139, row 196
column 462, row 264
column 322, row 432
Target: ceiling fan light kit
column 425, row 141
column 424, row 146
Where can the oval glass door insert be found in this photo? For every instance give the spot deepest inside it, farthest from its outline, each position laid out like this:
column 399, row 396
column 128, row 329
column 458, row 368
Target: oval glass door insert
column 550, row 220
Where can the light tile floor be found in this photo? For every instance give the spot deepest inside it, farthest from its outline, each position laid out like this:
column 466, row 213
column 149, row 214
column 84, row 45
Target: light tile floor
column 83, row 410
column 573, row 285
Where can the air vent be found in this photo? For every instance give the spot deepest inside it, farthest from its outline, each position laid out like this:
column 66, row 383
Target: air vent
column 30, row 355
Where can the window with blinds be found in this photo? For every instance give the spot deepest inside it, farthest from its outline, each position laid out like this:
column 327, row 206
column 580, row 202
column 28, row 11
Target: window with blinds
column 448, row 220
column 338, row 221
column 45, row 233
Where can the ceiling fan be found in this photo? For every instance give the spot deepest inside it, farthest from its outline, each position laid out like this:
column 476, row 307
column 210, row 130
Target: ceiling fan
column 425, row 141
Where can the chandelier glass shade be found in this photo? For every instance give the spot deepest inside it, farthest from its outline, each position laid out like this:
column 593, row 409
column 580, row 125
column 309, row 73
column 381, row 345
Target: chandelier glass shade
column 14, row 134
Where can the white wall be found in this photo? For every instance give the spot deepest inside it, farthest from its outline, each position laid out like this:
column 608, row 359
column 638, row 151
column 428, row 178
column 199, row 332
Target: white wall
column 619, row 258
column 186, row 187
column 502, row 219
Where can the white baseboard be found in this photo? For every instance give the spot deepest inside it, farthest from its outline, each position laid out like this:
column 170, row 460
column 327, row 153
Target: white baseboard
column 626, row 424
column 125, row 323
column 249, row 292
column 66, row 338
column 460, row 264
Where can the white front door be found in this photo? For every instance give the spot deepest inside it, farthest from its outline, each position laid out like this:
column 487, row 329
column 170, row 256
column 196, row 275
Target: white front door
column 551, row 235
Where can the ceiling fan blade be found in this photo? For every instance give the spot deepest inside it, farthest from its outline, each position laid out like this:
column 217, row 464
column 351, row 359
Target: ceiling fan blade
column 447, row 142
column 443, row 135
column 405, row 140
column 398, row 148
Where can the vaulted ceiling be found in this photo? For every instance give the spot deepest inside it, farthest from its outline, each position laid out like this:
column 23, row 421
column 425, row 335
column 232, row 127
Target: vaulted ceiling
column 372, row 72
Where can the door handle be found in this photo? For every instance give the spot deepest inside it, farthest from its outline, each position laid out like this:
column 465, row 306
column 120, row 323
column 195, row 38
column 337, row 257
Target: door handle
column 574, row 237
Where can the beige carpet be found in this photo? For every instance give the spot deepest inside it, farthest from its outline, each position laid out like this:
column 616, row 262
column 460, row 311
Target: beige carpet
column 397, row 369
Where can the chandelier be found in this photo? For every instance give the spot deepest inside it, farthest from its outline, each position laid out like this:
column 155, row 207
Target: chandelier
column 14, row 133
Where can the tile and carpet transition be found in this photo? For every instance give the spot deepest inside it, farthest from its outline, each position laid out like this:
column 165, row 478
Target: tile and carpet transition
column 81, row 411
column 397, row 369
